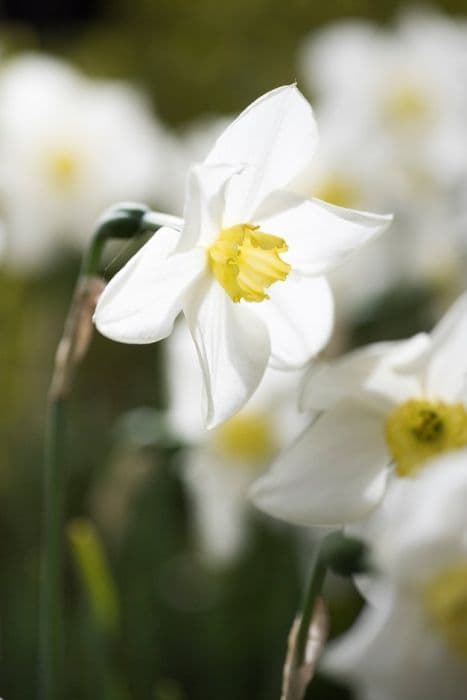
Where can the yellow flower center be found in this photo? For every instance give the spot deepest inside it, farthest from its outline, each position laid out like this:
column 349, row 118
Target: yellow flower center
column 445, row 600
column 246, row 438
column 418, row 429
column 339, row 190
column 63, row 167
column 406, row 105
column 245, row 261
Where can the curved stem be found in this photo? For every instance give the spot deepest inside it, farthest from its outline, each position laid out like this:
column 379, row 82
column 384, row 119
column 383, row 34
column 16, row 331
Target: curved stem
column 155, row 219
column 123, row 221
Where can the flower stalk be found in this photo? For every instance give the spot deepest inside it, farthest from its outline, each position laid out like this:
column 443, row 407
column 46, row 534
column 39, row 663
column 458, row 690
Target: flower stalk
column 121, row 222
column 344, row 556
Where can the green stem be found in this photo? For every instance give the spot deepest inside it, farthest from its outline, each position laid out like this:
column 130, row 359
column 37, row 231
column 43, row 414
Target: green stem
column 344, row 556
column 122, row 222
column 51, row 604
column 313, row 592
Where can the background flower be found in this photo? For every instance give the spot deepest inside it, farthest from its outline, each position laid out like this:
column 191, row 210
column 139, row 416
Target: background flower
column 412, row 643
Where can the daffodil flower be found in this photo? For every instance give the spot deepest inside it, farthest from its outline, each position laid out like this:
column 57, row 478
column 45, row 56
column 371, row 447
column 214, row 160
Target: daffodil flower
column 411, row 642
column 385, row 410
column 247, row 266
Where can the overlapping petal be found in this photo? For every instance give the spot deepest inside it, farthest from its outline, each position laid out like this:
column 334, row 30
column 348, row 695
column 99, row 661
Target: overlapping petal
column 446, row 366
column 367, row 375
column 299, row 316
column 277, row 136
column 140, row 304
column 319, row 235
column 205, row 203
column 233, row 348
column 335, row 472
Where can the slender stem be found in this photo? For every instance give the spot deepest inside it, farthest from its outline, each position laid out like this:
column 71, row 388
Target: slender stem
column 51, row 604
column 123, row 221
column 313, row 592
column 154, row 220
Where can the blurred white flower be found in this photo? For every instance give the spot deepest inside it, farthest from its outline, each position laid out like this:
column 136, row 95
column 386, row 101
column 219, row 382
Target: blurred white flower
column 411, row 643
column 402, row 90
column 247, row 267
column 220, row 464
column 386, row 409
column 394, row 101
column 69, row 147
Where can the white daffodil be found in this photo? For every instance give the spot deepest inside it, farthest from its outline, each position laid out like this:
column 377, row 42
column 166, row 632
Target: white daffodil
column 247, row 266
column 386, row 409
column 69, row 148
column 219, row 465
column 411, row 642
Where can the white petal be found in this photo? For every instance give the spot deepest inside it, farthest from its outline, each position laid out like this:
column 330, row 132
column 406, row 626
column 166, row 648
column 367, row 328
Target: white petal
column 217, row 491
column 319, row 235
column 395, row 651
column 335, row 472
column 446, row 371
column 367, row 375
column 299, row 315
column 185, row 384
column 140, row 304
column 205, row 203
column 276, row 135
column 233, row 348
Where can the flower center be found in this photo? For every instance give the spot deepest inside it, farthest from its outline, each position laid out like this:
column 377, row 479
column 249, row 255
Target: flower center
column 63, row 167
column 245, row 261
column 445, row 600
column 247, row 438
column 337, row 189
column 406, row 105
column 418, row 429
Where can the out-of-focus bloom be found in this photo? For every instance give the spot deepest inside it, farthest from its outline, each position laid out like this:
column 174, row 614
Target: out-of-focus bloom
column 402, row 90
column 412, row 643
column 402, row 143
column 69, row 148
column 386, row 409
column 247, row 267
column 220, row 464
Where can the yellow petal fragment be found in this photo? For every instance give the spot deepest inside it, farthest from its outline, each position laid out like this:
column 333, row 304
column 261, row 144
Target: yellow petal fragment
column 419, row 429
column 63, row 167
column 247, row 438
column 246, row 261
column 445, row 600
column 406, row 105
column 339, row 190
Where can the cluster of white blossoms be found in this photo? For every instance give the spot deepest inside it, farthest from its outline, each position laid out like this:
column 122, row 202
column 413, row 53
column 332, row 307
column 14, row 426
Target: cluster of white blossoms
column 246, row 267
column 393, row 106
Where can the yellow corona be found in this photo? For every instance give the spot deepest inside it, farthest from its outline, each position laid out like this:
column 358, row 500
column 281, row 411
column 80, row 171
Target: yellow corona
column 246, row 261
column 419, row 429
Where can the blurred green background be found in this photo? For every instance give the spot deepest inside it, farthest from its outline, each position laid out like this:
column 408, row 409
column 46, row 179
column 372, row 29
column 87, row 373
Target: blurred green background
column 183, row 631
